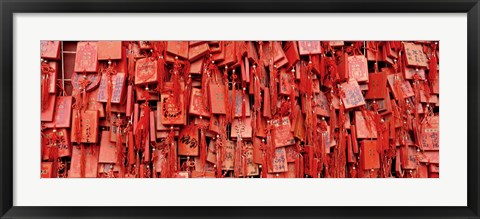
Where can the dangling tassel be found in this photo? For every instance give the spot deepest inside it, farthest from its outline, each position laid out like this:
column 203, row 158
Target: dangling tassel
column 131, row 146
column 154, row 161
column 138, row 171
column 265, row 159
column 176, row 81
column 416, row 103
column 119, row 145
column 273, row 90
column 303, row 81
column 45, row 69
column 77, row 124
column 165, row 173
column 45, row 95
column 205, row 89
column 54, row 152
column 172, row 155
column 299, row 171
column 314, row 123
column 228, row 108
column 233, row 102
column 323, row 68
column 256, row 94
column 342, row 159
column 244, row 99
column 84, row 100
column 131, row 63
column 333, row 121
column 142, row 130
column 308, row 121
column 186, row 94
column 368, row 119
column 161, row 73
column 238, row 158
column 244, row 162
column 83, row 160
column 292, row 103
column 203, row 149
column 109, row 96
column 219, row 149
column 159, row 52
column 432, row 74
column 270, row 147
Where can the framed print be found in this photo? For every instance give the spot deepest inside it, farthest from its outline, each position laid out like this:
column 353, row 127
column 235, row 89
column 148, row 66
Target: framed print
column 287, row 111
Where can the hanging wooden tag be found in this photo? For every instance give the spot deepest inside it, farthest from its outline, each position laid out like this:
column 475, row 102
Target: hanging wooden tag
column 370, row 155
column 63, row 141
column 215, row 124
column 89, row 126
column 62, row 113
column 279, row 162
column 362, row 130
column 230, row 55
column 91, row 161
column 50, row 49
column 118, row 88
column 290, row 152
column 377, row 86
column 94, row 105
column 239, row 102
column 342, row 66
column 322, row 106
column 300, row 129
column 404, row 86
column 409, row 160
column 241, row 128
column 286, row 82
column 252, row 168
column 409, row 72
column 146, row 71
column 109, row 50
column 353, row 95
column 309, row 47
column 196, row 67
column 227, row 164
column 46, row 170
column 283, row 136
column 171, row 113
column 47, row 113
column 217, row 98
column 197, row 51
column 75, row 170
column 93, row 78
column 114, row 128
column 357, row 68
column 430, row 137
column 198, row 105
column 188, row 141
column 257, row 150
column 178, row 48
column 86, row 57
column 108, row 149
column 414, row 55
column 144, row 45
column 291, row 52
column 212, row 152
column 52, row 75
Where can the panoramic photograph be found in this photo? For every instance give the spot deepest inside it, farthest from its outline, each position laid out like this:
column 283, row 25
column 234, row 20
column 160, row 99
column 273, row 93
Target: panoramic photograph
column 239, row 109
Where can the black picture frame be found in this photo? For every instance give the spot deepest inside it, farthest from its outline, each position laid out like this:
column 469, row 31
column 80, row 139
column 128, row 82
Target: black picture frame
column 9, row 7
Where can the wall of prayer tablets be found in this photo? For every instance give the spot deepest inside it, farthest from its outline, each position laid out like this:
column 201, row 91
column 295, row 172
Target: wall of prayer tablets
column 243, row 109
